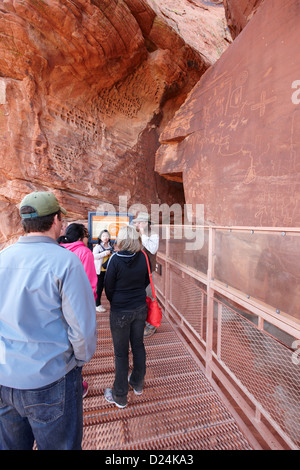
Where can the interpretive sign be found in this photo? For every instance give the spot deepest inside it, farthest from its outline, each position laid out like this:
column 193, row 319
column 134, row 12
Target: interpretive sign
column 112, row 222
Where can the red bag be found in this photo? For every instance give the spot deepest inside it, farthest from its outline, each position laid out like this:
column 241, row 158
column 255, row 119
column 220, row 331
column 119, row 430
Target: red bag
column 154, row 310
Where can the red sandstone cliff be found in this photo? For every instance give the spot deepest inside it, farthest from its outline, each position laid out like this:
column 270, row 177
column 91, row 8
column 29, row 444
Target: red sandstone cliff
column 239, row 13
column 86, row 87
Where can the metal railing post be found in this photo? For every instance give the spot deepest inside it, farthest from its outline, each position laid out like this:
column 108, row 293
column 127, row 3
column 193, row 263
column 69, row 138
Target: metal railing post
column 210, row 302
column 167, row 271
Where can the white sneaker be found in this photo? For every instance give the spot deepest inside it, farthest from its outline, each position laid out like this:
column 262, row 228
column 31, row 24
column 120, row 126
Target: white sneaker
column 109, row 397
column 100, row 308
column 137, row 392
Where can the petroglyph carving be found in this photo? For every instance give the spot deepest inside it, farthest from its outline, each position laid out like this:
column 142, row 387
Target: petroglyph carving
column 263, row 103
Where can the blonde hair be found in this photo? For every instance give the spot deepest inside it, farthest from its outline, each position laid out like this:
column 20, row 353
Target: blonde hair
column 128, row 239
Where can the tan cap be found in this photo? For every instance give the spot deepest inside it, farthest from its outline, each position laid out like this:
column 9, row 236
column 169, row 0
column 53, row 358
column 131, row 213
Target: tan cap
column 43, row 203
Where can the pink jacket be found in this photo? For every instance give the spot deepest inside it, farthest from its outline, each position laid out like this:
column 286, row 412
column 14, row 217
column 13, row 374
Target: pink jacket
column 87, row 259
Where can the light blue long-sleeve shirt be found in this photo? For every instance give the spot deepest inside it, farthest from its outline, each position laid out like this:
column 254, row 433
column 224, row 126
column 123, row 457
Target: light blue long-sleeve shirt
column 47, row 313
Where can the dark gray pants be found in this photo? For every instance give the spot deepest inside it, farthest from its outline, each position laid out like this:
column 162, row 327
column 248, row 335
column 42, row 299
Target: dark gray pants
column 127, row 326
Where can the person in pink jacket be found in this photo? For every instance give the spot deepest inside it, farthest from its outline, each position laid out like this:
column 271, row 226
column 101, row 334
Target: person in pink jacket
column 75, row 240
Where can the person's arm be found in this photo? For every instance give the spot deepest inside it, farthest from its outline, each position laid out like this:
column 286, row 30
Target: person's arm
column 78, row 308
column 151, row 243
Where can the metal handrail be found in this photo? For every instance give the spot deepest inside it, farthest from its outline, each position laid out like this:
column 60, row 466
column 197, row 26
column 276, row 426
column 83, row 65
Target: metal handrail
column 213, row 365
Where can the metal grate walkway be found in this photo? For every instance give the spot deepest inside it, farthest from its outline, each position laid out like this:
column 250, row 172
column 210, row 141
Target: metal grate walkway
column 179, row 409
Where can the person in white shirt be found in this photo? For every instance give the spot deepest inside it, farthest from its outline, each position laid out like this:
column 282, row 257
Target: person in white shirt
column 102, row 252
column 150, row 243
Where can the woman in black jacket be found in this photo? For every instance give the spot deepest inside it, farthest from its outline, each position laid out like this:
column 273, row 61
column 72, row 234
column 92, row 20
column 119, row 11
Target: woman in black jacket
column 125, row 283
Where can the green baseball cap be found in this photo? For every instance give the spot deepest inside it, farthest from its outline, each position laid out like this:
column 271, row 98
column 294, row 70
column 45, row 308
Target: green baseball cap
column 43, row 202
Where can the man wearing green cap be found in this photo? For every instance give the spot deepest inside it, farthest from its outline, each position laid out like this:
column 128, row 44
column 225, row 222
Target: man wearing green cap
column 47, row 333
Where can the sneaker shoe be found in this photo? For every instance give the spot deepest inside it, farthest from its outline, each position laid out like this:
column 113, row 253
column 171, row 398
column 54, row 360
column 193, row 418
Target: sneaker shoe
column 109, row 397
column 137, row 392
column 85, row 389
column 100, row 308
column 149, row 331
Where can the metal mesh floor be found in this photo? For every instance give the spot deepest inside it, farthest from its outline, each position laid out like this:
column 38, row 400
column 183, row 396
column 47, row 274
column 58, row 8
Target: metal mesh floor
column 178, row 410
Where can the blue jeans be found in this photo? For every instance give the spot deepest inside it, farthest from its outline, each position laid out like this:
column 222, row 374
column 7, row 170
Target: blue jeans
column 51, row 415
column 128, row 326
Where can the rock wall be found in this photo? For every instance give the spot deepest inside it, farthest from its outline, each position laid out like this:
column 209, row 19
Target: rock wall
column 235, row 145
column 86, row 87
column 239, row 13
column 235, row 141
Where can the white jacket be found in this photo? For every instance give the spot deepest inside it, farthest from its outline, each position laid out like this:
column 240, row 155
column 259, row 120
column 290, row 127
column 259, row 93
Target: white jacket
column 99, row 254
column 151, row 243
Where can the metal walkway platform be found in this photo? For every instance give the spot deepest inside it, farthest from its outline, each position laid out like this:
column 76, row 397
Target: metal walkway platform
column 178, row 410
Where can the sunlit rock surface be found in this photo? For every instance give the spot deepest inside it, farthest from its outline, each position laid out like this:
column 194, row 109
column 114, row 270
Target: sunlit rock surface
column 86, row 87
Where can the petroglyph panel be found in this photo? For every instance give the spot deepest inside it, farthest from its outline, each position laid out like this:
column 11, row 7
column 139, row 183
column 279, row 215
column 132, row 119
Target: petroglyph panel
column 237, row 134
